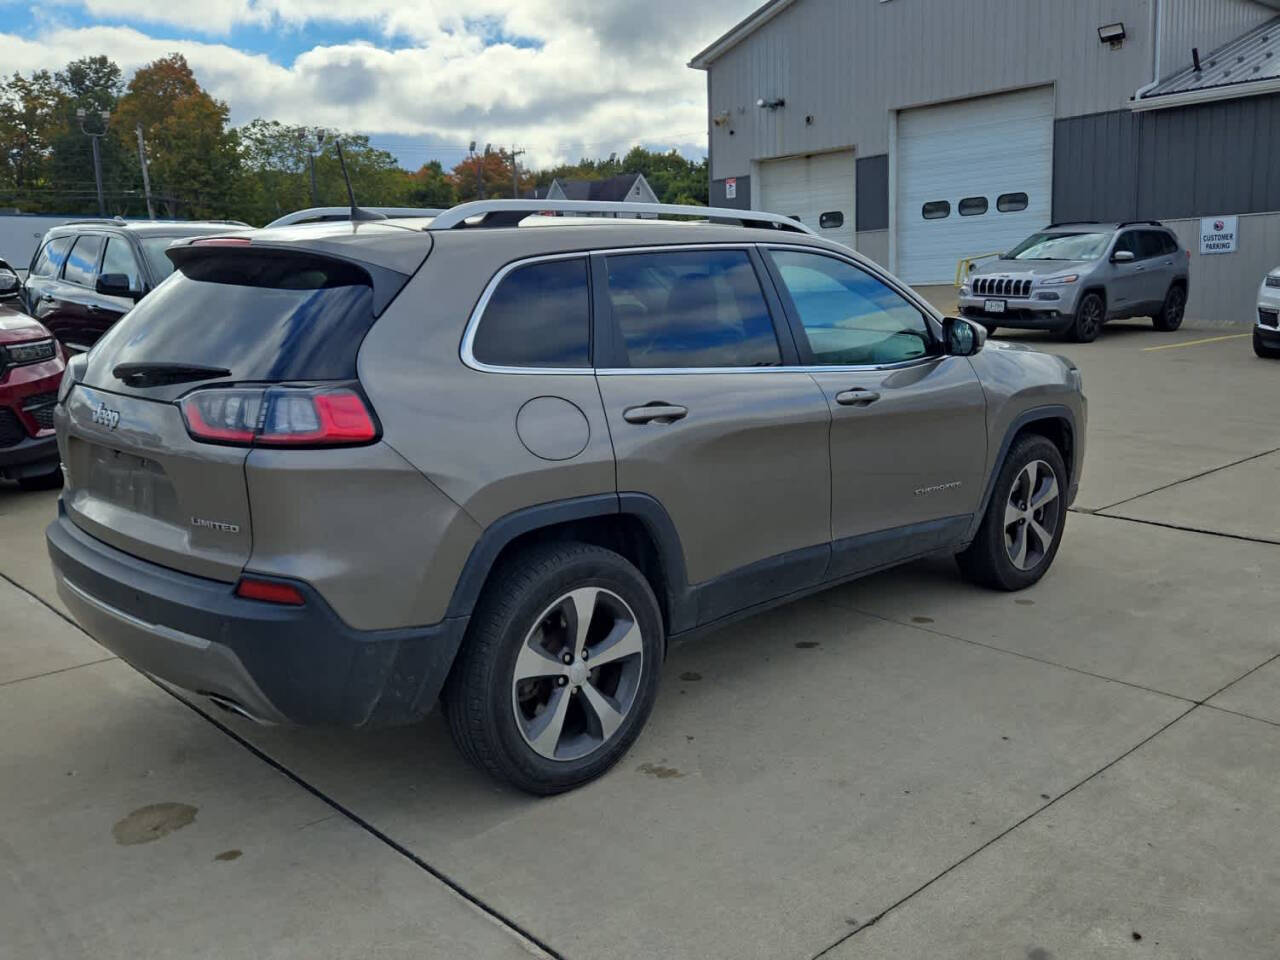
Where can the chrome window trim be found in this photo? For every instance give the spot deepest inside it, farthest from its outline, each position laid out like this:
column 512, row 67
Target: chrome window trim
column 856, row 260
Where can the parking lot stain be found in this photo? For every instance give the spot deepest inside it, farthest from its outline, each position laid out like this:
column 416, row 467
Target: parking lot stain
column 922, row 619
column 1025, row 603
column 152, row 822
column 1136, row 936
column 1039, row 953
column 659, row 771
column 229, row 855
column 807, row 644
column 690, row 676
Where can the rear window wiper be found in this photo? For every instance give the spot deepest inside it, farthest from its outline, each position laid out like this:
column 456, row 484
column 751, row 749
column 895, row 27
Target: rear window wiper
column 160, row 373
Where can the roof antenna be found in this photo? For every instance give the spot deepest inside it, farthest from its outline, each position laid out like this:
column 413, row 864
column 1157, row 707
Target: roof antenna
column 1195, row 58
column 357, row 214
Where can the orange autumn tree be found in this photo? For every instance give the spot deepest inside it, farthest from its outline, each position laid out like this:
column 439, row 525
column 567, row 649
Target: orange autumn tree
column 190, row 150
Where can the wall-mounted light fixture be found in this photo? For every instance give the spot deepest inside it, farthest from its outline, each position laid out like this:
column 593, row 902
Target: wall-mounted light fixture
column 720, row 119
column 764, row 104
column 1112, row 33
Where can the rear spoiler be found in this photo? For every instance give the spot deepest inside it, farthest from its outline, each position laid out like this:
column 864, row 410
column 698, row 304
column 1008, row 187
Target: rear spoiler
column 385, row 282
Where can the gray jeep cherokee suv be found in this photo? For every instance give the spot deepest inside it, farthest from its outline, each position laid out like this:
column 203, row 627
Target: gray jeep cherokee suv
column 328, row 474
column 1073, row 277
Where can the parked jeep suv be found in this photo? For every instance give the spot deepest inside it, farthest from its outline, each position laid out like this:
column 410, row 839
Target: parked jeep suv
column 87, row 274
column 509, row 465
column 1073, row 277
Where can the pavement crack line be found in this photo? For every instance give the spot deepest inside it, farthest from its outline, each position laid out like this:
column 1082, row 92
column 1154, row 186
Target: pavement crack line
column 50, row 673
column 1196, row 476
column 497, row 916
column 1186, row 529
column 1195, row 705
column 493, row 913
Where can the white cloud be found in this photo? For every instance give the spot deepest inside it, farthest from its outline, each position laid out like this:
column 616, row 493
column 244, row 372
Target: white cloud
column 583, row 76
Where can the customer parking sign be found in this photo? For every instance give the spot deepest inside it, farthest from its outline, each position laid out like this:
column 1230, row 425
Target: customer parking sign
column 1218, row 234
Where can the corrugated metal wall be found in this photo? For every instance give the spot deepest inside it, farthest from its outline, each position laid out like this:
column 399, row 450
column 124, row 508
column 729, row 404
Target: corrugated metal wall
column 1224, row 286
column 1205, row 24
column 843, row 65
column 1196, row 161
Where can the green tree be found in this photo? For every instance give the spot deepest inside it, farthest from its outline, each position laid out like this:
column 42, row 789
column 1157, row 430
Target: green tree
column 192, row 155
column 94, row 85
column 497, row 176
column 430, row 186
column 29, row 108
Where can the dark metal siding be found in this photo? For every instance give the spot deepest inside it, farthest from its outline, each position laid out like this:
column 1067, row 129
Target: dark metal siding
column 873, row 192
column 741, row 202
column 1194, row 161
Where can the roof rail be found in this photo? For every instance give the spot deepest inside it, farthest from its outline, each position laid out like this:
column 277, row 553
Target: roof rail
column 509, row 213
column 1143, row 223
column 1070, row 223
column 332, row 214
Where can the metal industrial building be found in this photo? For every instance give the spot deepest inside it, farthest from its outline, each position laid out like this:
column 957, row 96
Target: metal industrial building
column 924, row 131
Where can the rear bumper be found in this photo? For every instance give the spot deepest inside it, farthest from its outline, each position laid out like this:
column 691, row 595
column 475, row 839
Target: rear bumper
column 276, row 664
column 32, row 457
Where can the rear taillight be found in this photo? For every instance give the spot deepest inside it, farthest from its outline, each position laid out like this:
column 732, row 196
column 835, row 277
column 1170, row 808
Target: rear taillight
column 279, row 416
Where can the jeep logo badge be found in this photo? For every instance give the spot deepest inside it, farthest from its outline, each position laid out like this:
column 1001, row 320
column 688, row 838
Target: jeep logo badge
column 106, row 417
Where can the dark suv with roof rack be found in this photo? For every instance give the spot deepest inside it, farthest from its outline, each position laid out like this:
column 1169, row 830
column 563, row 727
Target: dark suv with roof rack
column 462, row 458
column 1071, row 278
column 87, row 274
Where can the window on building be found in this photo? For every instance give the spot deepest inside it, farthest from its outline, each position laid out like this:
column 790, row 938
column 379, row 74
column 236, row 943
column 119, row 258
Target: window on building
column 82, row 262
column 849, row 316
column 831, row 220
column 691, row 309
column 51, row 257
column 972, row 206
column 1011, row 202
column 539, row 316
column 936, row 210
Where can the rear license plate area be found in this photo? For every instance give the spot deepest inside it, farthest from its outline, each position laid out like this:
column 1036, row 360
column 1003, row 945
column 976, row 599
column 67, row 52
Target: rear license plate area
column 126, row 480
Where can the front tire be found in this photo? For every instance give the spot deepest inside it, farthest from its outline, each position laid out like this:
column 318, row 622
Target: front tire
column 1175, row 305
column 1090, row 315
column 559, row 669
column 1262, row 350
column 1022, row 528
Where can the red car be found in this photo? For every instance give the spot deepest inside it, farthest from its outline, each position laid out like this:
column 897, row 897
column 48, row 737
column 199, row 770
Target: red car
column 31, row 365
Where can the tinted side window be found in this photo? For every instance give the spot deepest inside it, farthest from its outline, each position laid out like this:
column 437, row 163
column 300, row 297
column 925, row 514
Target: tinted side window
column 82, row 263
column 849, row 316
column 697, row 309
column 539, row 316
column 51, row 257
column 1151, row 244
column 1128, row 241
column 119, row 258
column 1168, row 243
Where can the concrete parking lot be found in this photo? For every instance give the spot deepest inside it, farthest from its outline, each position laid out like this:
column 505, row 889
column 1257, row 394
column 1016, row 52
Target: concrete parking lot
column 902, row 767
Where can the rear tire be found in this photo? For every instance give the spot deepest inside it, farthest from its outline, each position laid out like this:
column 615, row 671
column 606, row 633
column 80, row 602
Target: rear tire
column 1090, row 315
column 1175, row 305
column 515, row 708
column 1022, row 528
column 1262, row 350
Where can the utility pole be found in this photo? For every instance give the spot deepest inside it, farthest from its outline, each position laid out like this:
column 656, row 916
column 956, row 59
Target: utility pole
column 311, row 161
column 146, row 178
column 81, row 114
column 515, row 172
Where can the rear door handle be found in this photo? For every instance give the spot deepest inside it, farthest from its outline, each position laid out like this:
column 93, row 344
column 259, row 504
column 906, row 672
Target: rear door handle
column 655, row 412
column 857, row 397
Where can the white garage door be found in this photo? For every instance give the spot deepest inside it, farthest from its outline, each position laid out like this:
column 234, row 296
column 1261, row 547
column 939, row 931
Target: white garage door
column 973, row 177
column 808, row 188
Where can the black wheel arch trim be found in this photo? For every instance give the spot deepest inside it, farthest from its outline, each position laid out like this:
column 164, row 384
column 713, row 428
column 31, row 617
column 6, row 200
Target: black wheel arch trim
column 1054, row 411
column 680, row 604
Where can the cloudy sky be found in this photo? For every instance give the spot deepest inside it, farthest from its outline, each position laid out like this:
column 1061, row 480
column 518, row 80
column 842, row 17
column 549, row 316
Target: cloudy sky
column 561, row 78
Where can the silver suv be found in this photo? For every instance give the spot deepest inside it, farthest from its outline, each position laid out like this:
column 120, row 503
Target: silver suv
column 328, row 474
column 1072, row 278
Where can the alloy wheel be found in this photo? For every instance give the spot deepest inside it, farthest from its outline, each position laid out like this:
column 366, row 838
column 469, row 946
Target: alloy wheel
column 1031, row 515
column 577, row 673
column 1174, row 308
column 1090, row 321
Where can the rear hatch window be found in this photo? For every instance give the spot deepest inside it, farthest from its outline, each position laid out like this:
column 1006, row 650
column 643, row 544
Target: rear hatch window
column 262, row 315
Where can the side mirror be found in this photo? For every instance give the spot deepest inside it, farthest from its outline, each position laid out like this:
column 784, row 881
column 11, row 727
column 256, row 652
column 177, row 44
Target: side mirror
column 116, row 285
column 963, row 337
column 1123, row 256
column 9, row 284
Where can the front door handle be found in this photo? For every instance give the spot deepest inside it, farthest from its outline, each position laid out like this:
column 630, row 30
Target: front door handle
column 857, row 397
column 655, row 412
